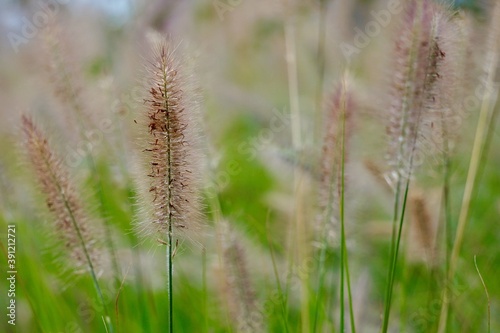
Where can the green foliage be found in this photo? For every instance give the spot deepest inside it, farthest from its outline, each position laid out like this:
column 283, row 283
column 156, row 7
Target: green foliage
column 255, row 192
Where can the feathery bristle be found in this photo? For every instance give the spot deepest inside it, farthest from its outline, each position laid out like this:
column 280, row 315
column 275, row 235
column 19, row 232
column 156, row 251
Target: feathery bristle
column 340, row 111
column 421, row 218
column 172, row 145
column 61, row 198
column 64, row 76
column 239, row 290
column 494, row 37
column 418, row 59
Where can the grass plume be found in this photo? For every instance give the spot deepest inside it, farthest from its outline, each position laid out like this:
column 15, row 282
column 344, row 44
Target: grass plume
column 488, row 99
column 422, row 226
column 338, row 130
column 238, row 289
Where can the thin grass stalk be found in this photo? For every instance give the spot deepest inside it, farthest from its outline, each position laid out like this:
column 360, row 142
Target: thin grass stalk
column 422, row 71
column 342, row 221
column 387, row 307
column 107, row 229
column 399, row 228
column 107, row 319
column 170, row 221
column 204, row 287
column 170, row 282
column 35, row 137
column 395, row 248
column 485, row 115
column 67, row 89
column 293, row 81
column 404, row 112
column 486, row 292
column 86, row 253
column 487, row 142
column 403, row 302
column 448, row 223
column 447, row 205
column 320, row 55
column 300, row 225
column 322, row 256
column 479, row 142
column 321, row 60
column 349, row 295
column 342, row 283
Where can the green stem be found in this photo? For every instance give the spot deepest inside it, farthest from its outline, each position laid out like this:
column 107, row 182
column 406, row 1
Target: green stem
column 107, row 319
column 319, row 99
column 169, row 198
column 349, row 294
column 107, row 230
column 341, row 261
column 169, row 282
column 278, row 283
column 486, row 292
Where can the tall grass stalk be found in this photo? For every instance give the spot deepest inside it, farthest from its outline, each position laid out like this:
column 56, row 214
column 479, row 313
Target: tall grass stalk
column 215, row 207
column 55, row 185
column 486, row 292
column 322, row 259
column 301, row 233
column 172, row 154
column 281, row 295
column 419, row 59
column 344, row 261
column 204, row 287
column 488, row 101
column 321, row 60
column 170, row 283
column 322, row 264
column 107, row 318
column 344, row 256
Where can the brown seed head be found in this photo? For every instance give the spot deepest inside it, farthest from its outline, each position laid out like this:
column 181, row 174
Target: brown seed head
column 417, row 61
column 61, row 198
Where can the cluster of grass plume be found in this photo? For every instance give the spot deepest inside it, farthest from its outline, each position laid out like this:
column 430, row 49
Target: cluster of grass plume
column 71, row 221
column 486, row 116
column 429, row 63
column 418, row 60
column 171, row 157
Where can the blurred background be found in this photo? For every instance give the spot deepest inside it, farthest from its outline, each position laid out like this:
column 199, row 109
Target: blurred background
column 79, row 64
